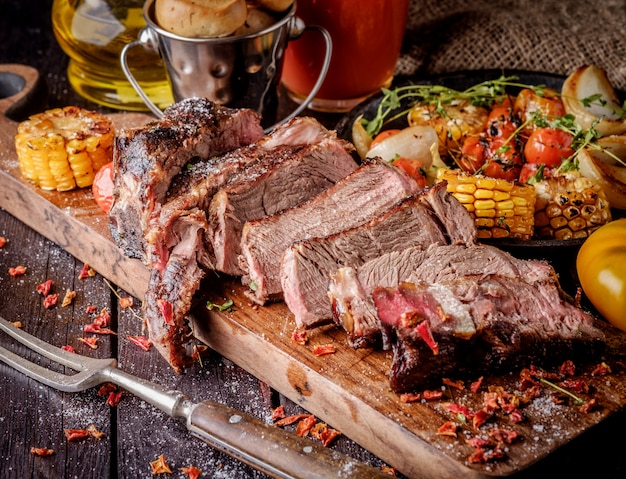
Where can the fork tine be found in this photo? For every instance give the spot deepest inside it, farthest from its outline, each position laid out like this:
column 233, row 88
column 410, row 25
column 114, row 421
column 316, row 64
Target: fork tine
column 90, row 368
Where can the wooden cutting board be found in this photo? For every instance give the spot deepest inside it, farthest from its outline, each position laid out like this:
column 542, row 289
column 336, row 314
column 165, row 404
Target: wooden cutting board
column 349, row 389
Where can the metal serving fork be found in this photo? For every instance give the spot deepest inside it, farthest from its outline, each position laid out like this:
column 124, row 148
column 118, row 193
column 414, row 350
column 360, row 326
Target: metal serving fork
column 272, row 450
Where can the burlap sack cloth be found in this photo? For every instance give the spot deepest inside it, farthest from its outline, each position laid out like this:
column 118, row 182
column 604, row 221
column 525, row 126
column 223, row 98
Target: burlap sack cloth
column 549, row 36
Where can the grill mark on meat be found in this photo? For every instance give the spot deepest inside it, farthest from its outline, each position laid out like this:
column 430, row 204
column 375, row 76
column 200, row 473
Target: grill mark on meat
column 308, row 264
column 350, row 288
column 282, row 178
column 149, row 157
column 479, row 324
column 360, row 197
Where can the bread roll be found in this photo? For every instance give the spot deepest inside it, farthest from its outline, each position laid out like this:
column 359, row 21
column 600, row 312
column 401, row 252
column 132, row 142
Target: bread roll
column 256, row 21
column 273, row 5
column 201, row 18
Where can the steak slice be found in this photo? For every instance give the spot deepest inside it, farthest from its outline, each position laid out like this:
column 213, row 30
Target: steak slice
column 472, row 325
column 282, row 178
column 148, row 158
column 361, row 196
column 307, row 265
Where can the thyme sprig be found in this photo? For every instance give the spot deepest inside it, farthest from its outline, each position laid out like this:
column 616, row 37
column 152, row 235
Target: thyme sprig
column 578, row 401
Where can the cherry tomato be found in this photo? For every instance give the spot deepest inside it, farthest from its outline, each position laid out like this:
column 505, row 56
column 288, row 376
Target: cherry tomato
column 102, row 187
column 504, row 161
column 502, row 121
column 548, row 104
column 548, row 146
column 474, row 153
column 413, row 168
column 601, row 272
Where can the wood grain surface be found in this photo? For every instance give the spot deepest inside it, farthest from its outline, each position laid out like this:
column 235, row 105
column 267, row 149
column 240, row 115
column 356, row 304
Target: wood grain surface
column 348, row 389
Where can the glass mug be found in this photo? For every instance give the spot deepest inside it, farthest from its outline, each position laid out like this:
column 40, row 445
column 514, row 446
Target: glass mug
column 92, row 33
column 367, row 37
column 239, row 71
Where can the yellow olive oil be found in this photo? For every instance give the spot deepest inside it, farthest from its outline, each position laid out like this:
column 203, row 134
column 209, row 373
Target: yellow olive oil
column 92, row 33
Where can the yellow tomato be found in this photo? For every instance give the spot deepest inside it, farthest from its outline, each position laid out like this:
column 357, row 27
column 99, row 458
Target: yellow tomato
column 601, row 267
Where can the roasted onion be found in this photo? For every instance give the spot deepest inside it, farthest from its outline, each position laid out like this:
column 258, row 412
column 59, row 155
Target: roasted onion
column 606, row 166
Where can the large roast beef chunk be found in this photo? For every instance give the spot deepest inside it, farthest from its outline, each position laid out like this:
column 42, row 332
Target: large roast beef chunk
column 307, row 265
column 350, row 288
column 281, row 178
column 477, row 324
column 147, row 158
column 361, row 196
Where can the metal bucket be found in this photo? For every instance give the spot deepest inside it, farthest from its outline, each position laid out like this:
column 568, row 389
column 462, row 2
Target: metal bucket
column 241, row 71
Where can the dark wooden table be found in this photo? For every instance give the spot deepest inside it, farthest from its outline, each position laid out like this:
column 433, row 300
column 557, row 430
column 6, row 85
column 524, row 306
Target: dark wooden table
column 32, row 415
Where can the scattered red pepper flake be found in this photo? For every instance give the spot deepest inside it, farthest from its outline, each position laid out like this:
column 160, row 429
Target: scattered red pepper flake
column 448, row 428
column 75, row 434
column 324, row 434
column 126, row 302
column 454, row 384
column 300, row 336
column 96, row 329
column 68, row 298
column 95, row 432
column 3, row 241
column 475, row 386
column 575, row 385
column 589, row 406
column 286, row 421
column 68, row 348
column 323, row 349
column 114, row 398
column 86, row 272
column 45, row 287
column 516, row 416
column 601, row 369
column 505, row 436
column 567, row 368
column 460, row 409
column 431, row 395
column 41, row 451
column 50, row 300
column 106, row 388
column 141, row 341
column 90, row 309
column 304, row 425
column 90, row 341
column 423, row 329
column 388, row 470
column 17, row 324
column 160, row 466
column 278, row 413
column 478, row 442
column 192, row 471
column 481, row 417
column 103, row 319
column 17, row 271
column 410, row 397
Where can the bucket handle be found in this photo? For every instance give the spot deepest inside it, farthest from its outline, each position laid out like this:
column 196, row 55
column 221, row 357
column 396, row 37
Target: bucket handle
column 147, row 41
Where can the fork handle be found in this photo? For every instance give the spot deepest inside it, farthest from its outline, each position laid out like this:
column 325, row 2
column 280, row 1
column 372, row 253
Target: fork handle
column 270, row 449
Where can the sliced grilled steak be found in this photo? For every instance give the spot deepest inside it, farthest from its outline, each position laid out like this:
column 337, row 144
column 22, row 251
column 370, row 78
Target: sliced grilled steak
column 148, row 158
column 469, row 326
column 282, row 178
column 350, row 288
column 307, row 265
column 360, row 197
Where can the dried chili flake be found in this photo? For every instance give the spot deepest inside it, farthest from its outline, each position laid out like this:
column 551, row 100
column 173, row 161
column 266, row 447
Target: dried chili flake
column 300, row 336
column 460, row 409
column 68, row 348
column 410, row 397
column 3, row 241
column 126, row 302
column 516, row 416
column 388, row 470
column 41, row 451
column 479, row 442
column 106, row 388
column 75, row 434
column 103, row 319
column 17, row 271
column 423, row 329
column 323, row 349
column 17, row 324
column 92, row 341
column 86, row 272
column 94, row 432
column 589, row 406
column 490, row 400
column 481, row 417
column 278, row 413
column 141, row 341
column 454, row 384
column 448, row 428
column 567, row 368
column 304, row 425
column 601, row 369
column 50, row 300
column 45, row 287
column 324, row 434
column 90, row 309
column 114, row 398
column 505, row 436
column 291, row 419
column 160, row 466
column 192, row 471
column 475, row 386
column 96, row 329
column 432, row 395
column 68, row 298
column 575, row 385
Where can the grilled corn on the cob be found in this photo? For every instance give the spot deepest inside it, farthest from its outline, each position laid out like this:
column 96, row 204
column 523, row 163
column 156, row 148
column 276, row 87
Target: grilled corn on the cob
column 569, row 207
column 63, row 148
column 500, row 208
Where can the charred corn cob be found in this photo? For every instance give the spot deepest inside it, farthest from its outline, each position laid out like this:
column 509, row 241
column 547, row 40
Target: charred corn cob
column 63, row 148
column 500, row 208
column 569, row 207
